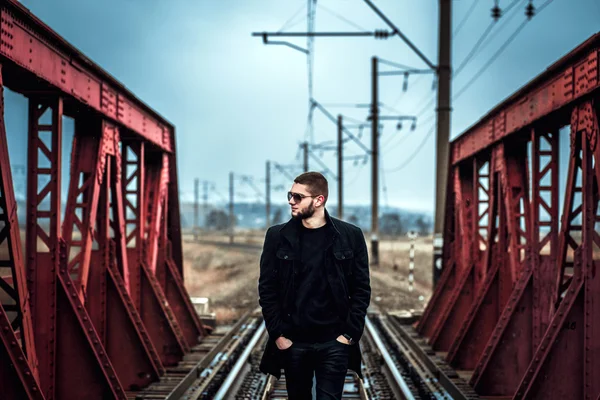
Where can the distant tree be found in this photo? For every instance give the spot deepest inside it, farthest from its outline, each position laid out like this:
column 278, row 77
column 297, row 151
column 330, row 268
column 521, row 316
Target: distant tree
column 422, row 226
column 390, row 224
column 218, row 219
column 277, row 217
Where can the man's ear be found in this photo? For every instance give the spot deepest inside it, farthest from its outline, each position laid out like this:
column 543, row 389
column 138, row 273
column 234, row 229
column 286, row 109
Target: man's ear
column 321, row 199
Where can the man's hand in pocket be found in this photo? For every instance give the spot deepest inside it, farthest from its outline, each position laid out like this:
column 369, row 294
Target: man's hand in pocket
column 283, row 343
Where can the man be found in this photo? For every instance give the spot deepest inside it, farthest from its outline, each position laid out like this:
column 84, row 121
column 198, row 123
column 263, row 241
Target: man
column 314, row 292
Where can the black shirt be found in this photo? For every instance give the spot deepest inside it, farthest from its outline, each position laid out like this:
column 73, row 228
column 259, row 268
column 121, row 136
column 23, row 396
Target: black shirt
column 314, row 318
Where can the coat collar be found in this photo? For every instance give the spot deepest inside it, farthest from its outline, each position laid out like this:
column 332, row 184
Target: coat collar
column 291, row 230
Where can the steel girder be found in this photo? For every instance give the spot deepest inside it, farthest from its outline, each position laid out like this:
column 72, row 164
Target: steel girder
column 567, row 361
column 531, row 329
column 19, row 376
column 505, row 254
column 472, row 191
column 101, row 274
column 84, row 315
column 72, row 359
column 43, row 61
column 160, row 250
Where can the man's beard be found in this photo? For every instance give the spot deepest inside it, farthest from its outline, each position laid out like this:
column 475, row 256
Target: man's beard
column 305, row 213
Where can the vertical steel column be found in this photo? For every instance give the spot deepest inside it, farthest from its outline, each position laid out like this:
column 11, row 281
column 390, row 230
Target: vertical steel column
column 74, row 363
column 96, row 189
column 526, row 316
column 167, row 273
column 43, row 232
column 460, row 251
column 473, row 267
column 566, row 364
column 136, row 360
column 156, row 311
column 172, row 213
column 19, row 378
column 87, row 173
column 156, row 192
column 133, row 180
column 505, row 254
column 152, row 304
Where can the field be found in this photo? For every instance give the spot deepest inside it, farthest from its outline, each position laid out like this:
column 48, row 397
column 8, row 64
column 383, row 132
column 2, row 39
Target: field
column 228, row 274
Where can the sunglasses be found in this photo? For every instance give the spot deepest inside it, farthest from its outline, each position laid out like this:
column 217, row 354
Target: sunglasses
column 298, row 197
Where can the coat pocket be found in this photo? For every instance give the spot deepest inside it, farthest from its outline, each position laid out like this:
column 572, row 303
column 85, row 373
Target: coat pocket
column 344, row 259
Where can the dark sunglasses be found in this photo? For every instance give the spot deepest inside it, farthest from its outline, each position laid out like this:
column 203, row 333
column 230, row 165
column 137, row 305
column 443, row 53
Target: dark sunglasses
column 298, row 197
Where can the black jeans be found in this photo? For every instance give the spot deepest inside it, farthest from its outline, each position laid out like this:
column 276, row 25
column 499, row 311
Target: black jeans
column 328, row 362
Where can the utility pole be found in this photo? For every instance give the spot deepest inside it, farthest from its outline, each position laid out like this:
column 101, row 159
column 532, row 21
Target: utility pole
column 305, row 150
column 268, row 195
column 205, row 198
column 196, row 200
column 374, row 164
column 231, row 217
column 340, row 148
column 443, row 132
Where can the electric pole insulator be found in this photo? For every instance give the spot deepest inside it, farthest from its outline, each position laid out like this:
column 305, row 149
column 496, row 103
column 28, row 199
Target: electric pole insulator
column 381, row 34
column 496, row 12
column 530, row 10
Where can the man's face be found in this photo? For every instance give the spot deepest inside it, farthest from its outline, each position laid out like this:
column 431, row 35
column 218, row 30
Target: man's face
column 304, row 208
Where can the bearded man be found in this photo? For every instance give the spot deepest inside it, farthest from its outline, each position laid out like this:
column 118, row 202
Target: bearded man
column 314, row 290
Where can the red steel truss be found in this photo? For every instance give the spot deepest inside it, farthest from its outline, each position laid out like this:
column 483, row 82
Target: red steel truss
column 517, row 304
column 98, row 307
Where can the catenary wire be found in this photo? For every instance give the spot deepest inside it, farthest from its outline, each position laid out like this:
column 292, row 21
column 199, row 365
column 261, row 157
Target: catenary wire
column 465, row 18
column 498, row 53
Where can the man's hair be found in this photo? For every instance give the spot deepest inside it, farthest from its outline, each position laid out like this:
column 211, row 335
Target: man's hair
column 316, row 184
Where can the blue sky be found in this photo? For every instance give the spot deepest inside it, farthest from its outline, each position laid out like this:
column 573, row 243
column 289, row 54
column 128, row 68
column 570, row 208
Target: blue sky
column 237, row 103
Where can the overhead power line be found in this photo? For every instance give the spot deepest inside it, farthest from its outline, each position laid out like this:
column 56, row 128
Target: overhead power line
column 415, row 153
column 479, row 46
column 465, row 18
column 341, row 17
column 506, row 19
column 474, row 49
column 471, row 81
column 288, row 23
column 498, row 53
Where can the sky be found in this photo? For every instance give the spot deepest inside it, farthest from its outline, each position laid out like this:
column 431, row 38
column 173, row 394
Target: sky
column 237, row 103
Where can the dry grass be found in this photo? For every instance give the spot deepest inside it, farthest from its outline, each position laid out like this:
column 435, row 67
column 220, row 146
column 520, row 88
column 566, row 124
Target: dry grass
column 229, row 275
column 226, row 275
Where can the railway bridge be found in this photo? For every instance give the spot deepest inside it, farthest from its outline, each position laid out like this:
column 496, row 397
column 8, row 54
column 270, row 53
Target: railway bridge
column 93, row 302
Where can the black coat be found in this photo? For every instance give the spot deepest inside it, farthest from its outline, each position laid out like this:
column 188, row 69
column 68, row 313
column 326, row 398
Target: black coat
column 347, row 265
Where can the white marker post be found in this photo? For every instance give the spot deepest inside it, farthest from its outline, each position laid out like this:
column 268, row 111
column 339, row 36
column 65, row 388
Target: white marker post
column 412, row 235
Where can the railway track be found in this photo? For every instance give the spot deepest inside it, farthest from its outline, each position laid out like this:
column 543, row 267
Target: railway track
column 392, row 369
column 202, row 358
column 396, row 365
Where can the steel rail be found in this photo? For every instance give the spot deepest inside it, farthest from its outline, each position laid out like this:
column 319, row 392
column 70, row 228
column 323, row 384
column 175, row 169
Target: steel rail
column 189, row 379
column 210, row 378
column 427, row 377
column 235, row 371
column 399, row 380
column 442, row 377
